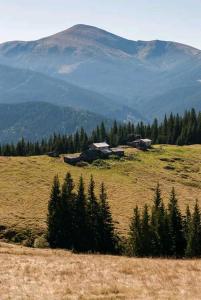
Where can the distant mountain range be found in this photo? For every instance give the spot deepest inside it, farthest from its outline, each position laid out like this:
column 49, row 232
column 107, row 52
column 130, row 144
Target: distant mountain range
column 88, row 68
column 20, row 85
column 38, row 120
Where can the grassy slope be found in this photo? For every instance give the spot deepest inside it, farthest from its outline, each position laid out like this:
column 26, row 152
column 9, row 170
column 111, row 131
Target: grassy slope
column 57, row 275
column 25, row 183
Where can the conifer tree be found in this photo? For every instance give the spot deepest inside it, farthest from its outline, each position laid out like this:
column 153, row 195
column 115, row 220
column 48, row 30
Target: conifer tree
column 187, row 222
column 176, row 233
column 193, row 248
column 53, row 220
column 135, row 244
column 66, row 211
column 155, row 223
column 146, row 232
column 108, row 237
column 80, row 242
column 93, row 213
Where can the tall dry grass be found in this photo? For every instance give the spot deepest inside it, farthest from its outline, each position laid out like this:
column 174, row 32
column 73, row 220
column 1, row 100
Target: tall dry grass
column 57, row 275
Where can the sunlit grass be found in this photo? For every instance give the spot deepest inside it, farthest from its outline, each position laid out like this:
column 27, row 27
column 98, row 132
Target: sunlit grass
column 55, row 275
column 25, row 183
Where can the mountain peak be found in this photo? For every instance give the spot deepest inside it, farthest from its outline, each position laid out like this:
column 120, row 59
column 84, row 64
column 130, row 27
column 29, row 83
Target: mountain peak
column 84, row 31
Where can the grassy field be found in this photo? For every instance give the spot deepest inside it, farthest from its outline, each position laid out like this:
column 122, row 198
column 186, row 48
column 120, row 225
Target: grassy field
column 36, row 274
column 25, row 183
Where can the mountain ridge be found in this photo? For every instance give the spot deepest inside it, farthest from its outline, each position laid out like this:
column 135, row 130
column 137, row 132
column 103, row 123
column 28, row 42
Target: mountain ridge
column 133, row 73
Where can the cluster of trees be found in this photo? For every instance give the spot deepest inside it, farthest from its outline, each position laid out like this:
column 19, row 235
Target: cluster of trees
column 175, row 129
column 83, row 222
column 80, row 221
column 164, row 231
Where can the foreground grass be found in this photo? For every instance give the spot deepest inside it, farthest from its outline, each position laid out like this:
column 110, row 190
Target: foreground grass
column 55, row 274
column 25, row 183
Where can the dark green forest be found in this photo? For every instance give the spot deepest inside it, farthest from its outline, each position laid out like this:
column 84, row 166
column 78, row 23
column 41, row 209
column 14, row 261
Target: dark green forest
column 174, row 129
column 81, row 221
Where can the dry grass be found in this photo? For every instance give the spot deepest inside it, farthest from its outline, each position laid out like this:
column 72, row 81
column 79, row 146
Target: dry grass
column 25, row 183
column 55, row 274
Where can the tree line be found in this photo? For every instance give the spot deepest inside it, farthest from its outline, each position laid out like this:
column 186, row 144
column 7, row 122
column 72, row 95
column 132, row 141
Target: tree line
column 174, row 129
column 82, row 222
column 164, row 231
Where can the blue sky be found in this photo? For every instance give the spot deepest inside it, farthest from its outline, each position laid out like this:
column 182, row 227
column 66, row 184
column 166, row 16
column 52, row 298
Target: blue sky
column 177, row 20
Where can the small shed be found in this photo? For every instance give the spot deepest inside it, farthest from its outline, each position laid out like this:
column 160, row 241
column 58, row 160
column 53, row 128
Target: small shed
column 53, row 154
column 99, row 146
column 72, row 159
column 147, row 142
column 142, row 144
column 118, row 152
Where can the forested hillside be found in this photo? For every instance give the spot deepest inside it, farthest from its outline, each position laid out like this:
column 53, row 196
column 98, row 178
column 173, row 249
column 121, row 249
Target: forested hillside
column 174, row 130
column 36, row 120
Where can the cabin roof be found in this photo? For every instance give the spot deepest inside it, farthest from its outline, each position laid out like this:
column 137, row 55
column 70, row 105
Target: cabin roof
column 117, row 149
column 100, row 145
column 146, row 140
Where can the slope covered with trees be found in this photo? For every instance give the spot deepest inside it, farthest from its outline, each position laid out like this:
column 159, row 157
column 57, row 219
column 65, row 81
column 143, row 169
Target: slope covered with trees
column 35, row 121
column 175, row 130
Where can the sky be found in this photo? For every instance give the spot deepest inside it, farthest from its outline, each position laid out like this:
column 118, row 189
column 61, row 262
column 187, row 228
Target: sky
column 173, row 20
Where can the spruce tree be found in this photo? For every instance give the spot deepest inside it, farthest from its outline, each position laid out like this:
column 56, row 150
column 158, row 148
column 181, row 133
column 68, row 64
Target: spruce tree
column 93, row 213
column 67, row 206
column 81, row 242
column 187, row 223
column 146, row 232
column 176, row 232
column 108, row 238
column 155, row 223
column 135, row 243
column 193, row 248
column 53, row 218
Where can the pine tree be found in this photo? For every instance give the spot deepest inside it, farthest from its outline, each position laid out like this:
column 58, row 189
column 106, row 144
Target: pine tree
column 53, row 226
column 108, row 238
column 176, row 233
column 193, row 248
column 135, row 244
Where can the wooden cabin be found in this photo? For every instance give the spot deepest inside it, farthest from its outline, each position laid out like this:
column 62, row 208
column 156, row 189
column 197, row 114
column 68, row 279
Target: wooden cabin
column 53, row 154
column 118, row 152
column 72, row 159
column 99, row 146
column 95, row 151
column 142, row 144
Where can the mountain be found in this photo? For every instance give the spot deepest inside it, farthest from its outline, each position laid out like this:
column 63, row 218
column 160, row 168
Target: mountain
column 34, row 121
column 20, row 85
column 136, row 74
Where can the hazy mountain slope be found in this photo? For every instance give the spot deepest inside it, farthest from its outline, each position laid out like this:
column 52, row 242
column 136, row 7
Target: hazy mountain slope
column 18, row 85
column 175, row 100
column 135, row 73
column 36, row 120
